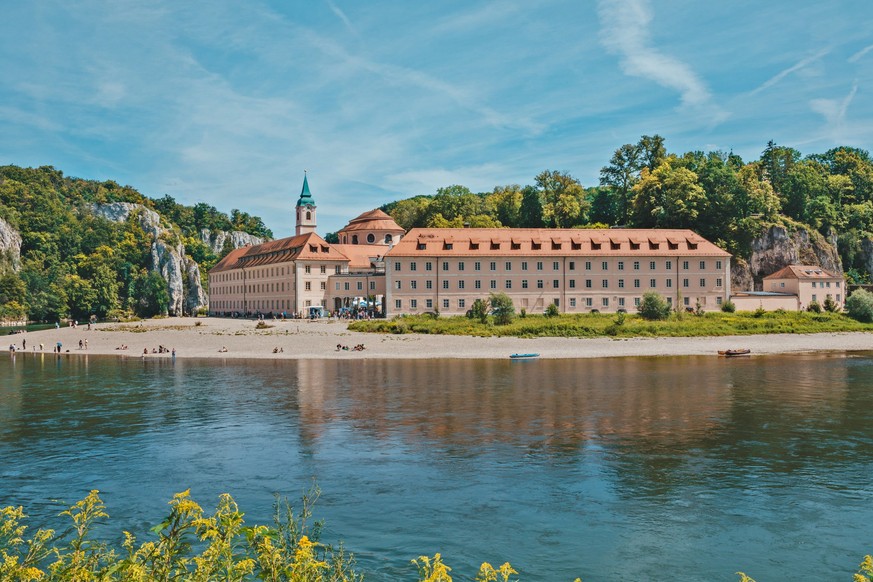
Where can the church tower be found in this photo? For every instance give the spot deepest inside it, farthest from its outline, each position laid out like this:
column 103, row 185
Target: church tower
column 305, row 210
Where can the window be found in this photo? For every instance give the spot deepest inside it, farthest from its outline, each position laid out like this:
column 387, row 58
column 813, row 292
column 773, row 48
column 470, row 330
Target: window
column 685, row 283
column 718, row 300
column 462, row 303
column 372, row 285
column 509, row 283
column 493, row 265
column 413, row 284
column 621, row 283
column 636, row 301
column 460, row 265
column 539, row 283
column 445, row 283
column 669, row 282
column 588, row 283
column 814, row 297
column 589, row 302
column 477, row 266
column 478, row 284
column 346, row 285
column 307, row 269
column 651, row 265
column 687, row 301
column 621, row 265
column 828, row 284
column 702, row 265
column 653, row 283
column 337, row 285
column 813, row 284
column 718, row 265
column 524, row 265
column 445, row 265
column 323, row 269
column 396, row 266
column 493, row 284
column 668, row 265
column 837, row 284
column 308, row 285
column 636, row 283
column 703, row 282
column 572, row 283
column 445, row 303
column 604, row 265
column 605, row 283
column 556, row 266
column 605, row 302
column 337, row 269
column 621, row 301
column 524, row 283
column 396, row 284
column 572, row 302
column 636, row 265
column 360, row 286
column 323, row 285
column 572, row 265
column 555, row 283
column 685, row 265
column 428, row 266
column 718, row 282
column 460, row 284
column 427, row 284
column 587, row 265
column 508, row 265
column 413, row 303
column 539, row 265
column 413, row 266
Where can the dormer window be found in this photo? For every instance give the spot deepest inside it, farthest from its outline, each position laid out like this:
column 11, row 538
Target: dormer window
column 449, row 246
column 474, row 246
column 595, row 246
column 614, row 246
column 654, row 246
column 495, row 246
column 635, row 246
column 536, row 246
column 515, row 246
column 556, row 246
column 576, row 246
column 673, row 246
column 421, row 247
column 692, row 246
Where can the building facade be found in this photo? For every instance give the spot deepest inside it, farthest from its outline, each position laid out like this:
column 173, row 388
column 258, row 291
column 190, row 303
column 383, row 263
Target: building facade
column 808, row 284
column 577, row 270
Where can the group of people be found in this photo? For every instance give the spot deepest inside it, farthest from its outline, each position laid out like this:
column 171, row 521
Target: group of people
column 357, row 348
column 157, row 350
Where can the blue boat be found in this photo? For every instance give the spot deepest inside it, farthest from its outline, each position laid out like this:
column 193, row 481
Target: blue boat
column 523, row 356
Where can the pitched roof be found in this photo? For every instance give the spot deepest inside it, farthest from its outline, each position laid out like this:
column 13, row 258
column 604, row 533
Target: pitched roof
column 308, row 246
column 361, row 256
column 372, row 220
column 802, row 272
column 552, row 242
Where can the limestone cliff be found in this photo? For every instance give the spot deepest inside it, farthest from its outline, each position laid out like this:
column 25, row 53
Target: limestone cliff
column 778, row 246
column 10, row 247
column 216, row 240
column 168, row 255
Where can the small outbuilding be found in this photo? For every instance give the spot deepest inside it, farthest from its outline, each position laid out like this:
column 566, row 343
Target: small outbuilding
column 793, row 288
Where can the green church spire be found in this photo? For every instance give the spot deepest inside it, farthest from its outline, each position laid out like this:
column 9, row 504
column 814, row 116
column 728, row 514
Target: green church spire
column 305, row 196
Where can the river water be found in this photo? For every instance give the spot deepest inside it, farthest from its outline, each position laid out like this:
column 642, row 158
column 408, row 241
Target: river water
column 620, row 469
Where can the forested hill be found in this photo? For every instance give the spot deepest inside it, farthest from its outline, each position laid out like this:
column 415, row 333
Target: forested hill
column 731, row 202
column 89, row 247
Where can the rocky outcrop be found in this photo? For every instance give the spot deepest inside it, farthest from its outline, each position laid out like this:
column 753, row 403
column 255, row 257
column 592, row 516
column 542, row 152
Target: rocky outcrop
column 780, row 246
column 181, row 273
column 10, row 247
column 216, row 240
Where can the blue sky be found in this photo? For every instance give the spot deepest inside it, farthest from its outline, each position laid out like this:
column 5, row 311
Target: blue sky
column 229, row 102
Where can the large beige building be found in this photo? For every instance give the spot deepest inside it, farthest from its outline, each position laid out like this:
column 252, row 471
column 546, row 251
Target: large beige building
column 446, row 269
column 377, row 267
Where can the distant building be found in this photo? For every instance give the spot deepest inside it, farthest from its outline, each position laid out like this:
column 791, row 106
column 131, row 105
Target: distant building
column 578, row 270
column 794, row 288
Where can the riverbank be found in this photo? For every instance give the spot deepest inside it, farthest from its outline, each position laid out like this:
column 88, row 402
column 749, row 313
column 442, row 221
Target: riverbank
column 302, row 339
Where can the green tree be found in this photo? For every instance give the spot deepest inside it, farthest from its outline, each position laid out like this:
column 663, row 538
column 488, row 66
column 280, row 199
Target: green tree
column 564, row 202
column 501, row 308
column 619, row 177
column 653, row 306
column 531, row 212
column 669, row 197
column 859, row 306
column 81, row 296
column 479, row 310
column 149, row 296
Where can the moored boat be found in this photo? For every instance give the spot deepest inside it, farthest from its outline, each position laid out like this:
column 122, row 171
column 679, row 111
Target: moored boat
column 523, row 356
column 734, row 353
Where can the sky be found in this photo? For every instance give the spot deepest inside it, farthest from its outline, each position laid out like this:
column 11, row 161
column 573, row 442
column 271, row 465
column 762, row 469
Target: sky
column 229, row 103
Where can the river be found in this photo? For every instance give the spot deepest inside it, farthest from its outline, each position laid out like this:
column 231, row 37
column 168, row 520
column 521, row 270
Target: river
column 635, row 469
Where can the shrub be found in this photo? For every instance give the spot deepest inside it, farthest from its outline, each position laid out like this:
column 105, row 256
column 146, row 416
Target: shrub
column 552, row 310
column 522, row 313
column 728, row 307
column 653, row 307
column 814, row 307
column 502, row 308
column 479, row 310
column 760, row 311
column 859, row 306
column 830, row 305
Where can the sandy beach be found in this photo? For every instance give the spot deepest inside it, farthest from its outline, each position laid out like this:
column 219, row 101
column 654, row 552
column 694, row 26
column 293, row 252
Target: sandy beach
column 296, row 339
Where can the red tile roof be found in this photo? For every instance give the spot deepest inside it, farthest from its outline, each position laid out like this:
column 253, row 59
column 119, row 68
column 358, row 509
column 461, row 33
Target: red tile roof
column 549, row 242
column 802, row 272
column 360, row 255
column 307, row 246
column 372, row 220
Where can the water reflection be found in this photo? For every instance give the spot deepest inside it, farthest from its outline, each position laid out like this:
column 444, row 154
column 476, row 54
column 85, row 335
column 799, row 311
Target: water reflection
column 586, row 466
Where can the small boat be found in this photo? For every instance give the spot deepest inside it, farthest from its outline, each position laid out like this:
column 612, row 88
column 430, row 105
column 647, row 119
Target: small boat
column 734, row 353
column 523, row 356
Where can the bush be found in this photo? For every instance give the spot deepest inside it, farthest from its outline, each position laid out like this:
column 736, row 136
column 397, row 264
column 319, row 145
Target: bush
column 760, row 311
column 859, row 306
column 728, row 307
column 552, row 310
column 653, row 307
column 522, row 313
column 479, row 310
column 814, row 307
column 830, row 305
column 502, row 308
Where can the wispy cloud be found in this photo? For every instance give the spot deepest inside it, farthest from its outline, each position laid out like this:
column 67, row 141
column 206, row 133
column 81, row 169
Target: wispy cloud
column 342, row 16
column 855, row 57
column 625, row 31
column 834, row 111
column 801, row 64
